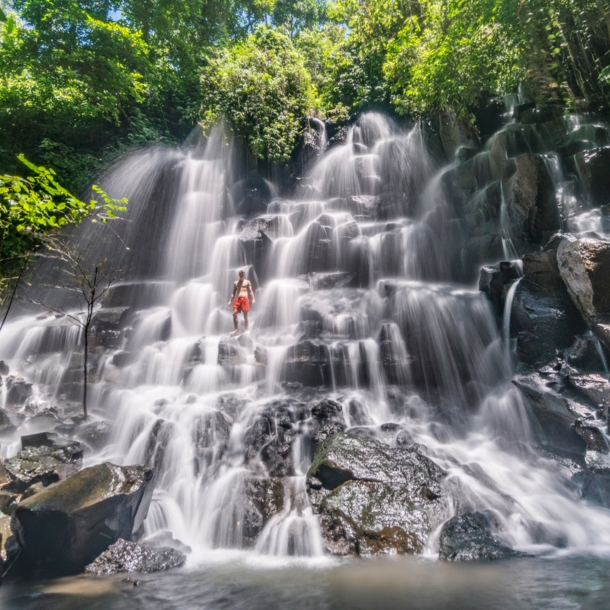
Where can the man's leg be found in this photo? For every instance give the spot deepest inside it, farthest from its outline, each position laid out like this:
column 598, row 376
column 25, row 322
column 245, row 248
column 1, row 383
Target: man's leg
column 246, row 320
column 235, row 322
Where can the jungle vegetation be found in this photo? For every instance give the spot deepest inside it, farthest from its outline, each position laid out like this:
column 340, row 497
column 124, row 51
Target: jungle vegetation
column 83, row 81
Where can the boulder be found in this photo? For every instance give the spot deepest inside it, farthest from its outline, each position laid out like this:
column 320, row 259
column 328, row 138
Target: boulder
column 263, row 498
column 251, row 196
column 5, row 534
column 469, row 538
column 532, row 207
column 127, row 556
column 553, row 415
column 308, row 362
column 269, row 439
column 67, row 525
column 372, row 499
column 495, row 280
column 18, row 391
column 6, row 425
column 584, row 354
column 95, row 433
column 584, row 265
column 45, row 458
column 592, row 388
column 593, row 171
column 543, row 316
column 107, row 326
column 326, row 419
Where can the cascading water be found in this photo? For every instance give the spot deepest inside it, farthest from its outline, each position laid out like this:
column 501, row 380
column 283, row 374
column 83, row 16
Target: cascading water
column 360, row 297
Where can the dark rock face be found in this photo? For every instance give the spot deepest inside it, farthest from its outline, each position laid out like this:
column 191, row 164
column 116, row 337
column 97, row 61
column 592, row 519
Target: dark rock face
column 107, row 326
column 584, row 354
column 269, row 440
column 373, row 499
column 18, row 391
column 533, row 209
column 326, row 420
column 45, row 458
column 66, row 526
column 263, row 499
column 543, row 315
column 584, row 265
column 554, row 415
column 308, row 362
column 596, row 487
column 469, row 538
column 495, row 280
column 593, row 169
column 95, row 434
column 251, row 196
column 126, row 556
column 256, row 247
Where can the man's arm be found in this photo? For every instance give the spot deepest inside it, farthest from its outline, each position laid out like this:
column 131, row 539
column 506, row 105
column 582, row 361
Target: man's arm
column 233, row 294
column 251, row 292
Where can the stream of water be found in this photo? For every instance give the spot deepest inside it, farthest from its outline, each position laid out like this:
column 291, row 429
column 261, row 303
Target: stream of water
column 363, row 295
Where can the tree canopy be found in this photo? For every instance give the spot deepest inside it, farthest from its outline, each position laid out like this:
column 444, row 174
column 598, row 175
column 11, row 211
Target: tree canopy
column 84, row 80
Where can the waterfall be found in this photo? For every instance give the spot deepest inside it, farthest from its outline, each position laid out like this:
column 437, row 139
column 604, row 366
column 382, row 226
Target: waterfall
column 363, row 296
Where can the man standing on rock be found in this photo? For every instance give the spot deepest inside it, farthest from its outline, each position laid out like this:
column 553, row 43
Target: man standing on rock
column 241, row 289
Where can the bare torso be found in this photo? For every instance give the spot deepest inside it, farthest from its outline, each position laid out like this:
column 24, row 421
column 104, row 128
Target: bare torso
column 243, row 290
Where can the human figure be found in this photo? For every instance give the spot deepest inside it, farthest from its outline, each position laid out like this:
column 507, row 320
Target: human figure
column 241, row 289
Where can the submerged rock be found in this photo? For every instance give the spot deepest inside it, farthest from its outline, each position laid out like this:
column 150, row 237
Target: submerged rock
column 584, row 265
column 126, row 556
column 469, row 538
column 67, row 525
column 373, row 499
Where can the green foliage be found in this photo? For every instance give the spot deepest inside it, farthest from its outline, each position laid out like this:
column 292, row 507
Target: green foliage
column 263, row 89
column 34, row 206
column 453, row 53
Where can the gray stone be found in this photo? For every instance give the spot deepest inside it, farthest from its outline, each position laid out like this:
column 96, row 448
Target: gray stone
column 469, row 538
column 126, row 556
column 67, row 525
column 373, row 499
column 554, row 415
column 45, row 458
column 584, row 265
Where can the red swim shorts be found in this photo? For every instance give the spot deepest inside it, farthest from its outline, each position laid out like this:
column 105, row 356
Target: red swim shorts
column 241, row 304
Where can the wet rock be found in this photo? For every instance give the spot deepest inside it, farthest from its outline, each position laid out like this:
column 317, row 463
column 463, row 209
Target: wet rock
column 593, row 436
column 107, row 327
column 490, row 118
column 584, row 265
column 532, row 207
column 8, row 502
column 543, row 316
column 5, row 369
column 126, row 556
column 210, row 432
column 584, row 354
column 5, row 423
column 269, row 439
column 554, row 416
column 593, row 171
column 308, row 362
column 373, row 499
column 159, row 439
column 591, row 387
column 542, row 114
column 256, row 247
column 95, row 433
column 263, row 498
column 596, row 486
column 327, row 281
column 469, row 538
column 495, row 280
column 5, row 534
column 45, row 458
column 318, row 252
column 260, row 355
column 123, row 359
column 251, row 196
column 326, row 419
column 66, row 526
column 364, row 206
column 230, row 353
column 18, row 391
